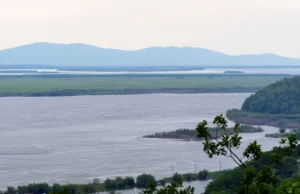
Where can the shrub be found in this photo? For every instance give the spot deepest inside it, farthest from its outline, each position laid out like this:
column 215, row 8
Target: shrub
column 189, row 177
column 129, row 182
column 282, row 130
column 143, row 180
column 177, row 177
column 202, row 175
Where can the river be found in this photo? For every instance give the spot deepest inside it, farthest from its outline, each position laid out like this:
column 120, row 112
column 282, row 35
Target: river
column 252, row 70
column 76, row 139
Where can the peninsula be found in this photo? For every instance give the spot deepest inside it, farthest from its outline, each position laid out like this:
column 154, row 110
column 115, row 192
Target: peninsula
column 191, row 135
column 276, row 105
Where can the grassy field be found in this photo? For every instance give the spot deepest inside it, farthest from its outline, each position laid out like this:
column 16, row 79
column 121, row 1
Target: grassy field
column 91, row 84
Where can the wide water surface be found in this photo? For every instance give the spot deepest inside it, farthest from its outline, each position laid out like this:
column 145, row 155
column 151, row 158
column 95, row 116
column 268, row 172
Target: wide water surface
column 76, row 139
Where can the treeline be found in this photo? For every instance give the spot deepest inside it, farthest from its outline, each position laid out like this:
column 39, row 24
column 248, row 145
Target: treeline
column 282, row 97
column 187, row 177
column 191, row 134
column 118, row 183
column 230, row 180
column 96, row 186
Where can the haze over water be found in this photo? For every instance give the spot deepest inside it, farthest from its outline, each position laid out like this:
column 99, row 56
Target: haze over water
column 158, row 71
column 76, row 139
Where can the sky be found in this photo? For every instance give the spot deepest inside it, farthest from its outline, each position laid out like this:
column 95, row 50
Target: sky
column 229, row 26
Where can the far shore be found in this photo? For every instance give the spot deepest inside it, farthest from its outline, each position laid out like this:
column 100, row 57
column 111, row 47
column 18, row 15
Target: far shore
column 59, row 93
column 78, row 85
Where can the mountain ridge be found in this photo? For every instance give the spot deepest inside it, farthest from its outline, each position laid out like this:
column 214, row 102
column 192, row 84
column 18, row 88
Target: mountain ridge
column 80, row 54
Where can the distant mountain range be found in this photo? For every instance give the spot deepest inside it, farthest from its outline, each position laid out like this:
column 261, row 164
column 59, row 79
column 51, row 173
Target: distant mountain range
column 86, row 55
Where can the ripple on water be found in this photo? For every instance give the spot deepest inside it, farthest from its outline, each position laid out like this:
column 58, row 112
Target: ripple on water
column 77, row 138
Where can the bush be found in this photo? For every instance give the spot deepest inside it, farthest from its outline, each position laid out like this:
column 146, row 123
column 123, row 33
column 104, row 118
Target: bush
column 11, row 190
column 282, row 130
column 202, row 175
column 162, row 182
column 119, row 183
column 37, row 188
column 288, row 167
column 177, row 177
column 189, row 177
column 110, row 184
column 143, row 180
column 227, row 182
column 296, row 177
column 129, row 182
column 56, row 188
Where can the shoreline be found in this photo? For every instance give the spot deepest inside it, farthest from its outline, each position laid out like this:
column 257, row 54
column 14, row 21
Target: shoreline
column 129, row 182
column 67, row 93
column 191, row 135
column 274, row 120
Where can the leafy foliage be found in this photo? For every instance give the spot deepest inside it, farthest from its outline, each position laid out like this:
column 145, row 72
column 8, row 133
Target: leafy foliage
column 282, row 130
column 282, row 97
column 173, row 188
column 229, row 141
column 95, row 186
column 203, row 174
column 251, row 179
column 143, row 180
column 288, row 186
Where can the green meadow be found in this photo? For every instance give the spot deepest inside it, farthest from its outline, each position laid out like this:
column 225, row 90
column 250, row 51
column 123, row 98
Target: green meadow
column 65, row 85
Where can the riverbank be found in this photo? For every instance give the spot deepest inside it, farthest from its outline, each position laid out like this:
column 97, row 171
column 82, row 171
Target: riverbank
column 119, row 183
column 275, row 120
column 93, row 92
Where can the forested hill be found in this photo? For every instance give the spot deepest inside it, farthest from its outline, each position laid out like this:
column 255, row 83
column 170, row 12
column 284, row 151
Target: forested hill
column 82, row 55
column 282, row 97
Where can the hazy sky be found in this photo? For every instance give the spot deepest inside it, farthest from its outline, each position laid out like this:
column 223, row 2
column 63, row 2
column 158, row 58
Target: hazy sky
column 230, row 26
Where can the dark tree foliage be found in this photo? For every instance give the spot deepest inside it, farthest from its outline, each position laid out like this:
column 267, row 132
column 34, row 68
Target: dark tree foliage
column 228, row 182
column 189, row 177
column 177, row 177
column 143, row 180
column 129, row 182
column 96, row 186
column 282, row 97
column 11, row 190
column 119, row 183
column 282, row 130
column 256, row 172
column 173, row 188
column 287, row 167
column 38, row 188
column 202, row 175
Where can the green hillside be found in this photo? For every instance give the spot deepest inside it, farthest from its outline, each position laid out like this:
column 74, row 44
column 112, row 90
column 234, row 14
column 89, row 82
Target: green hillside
column 276, row 105
column 282, row 97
